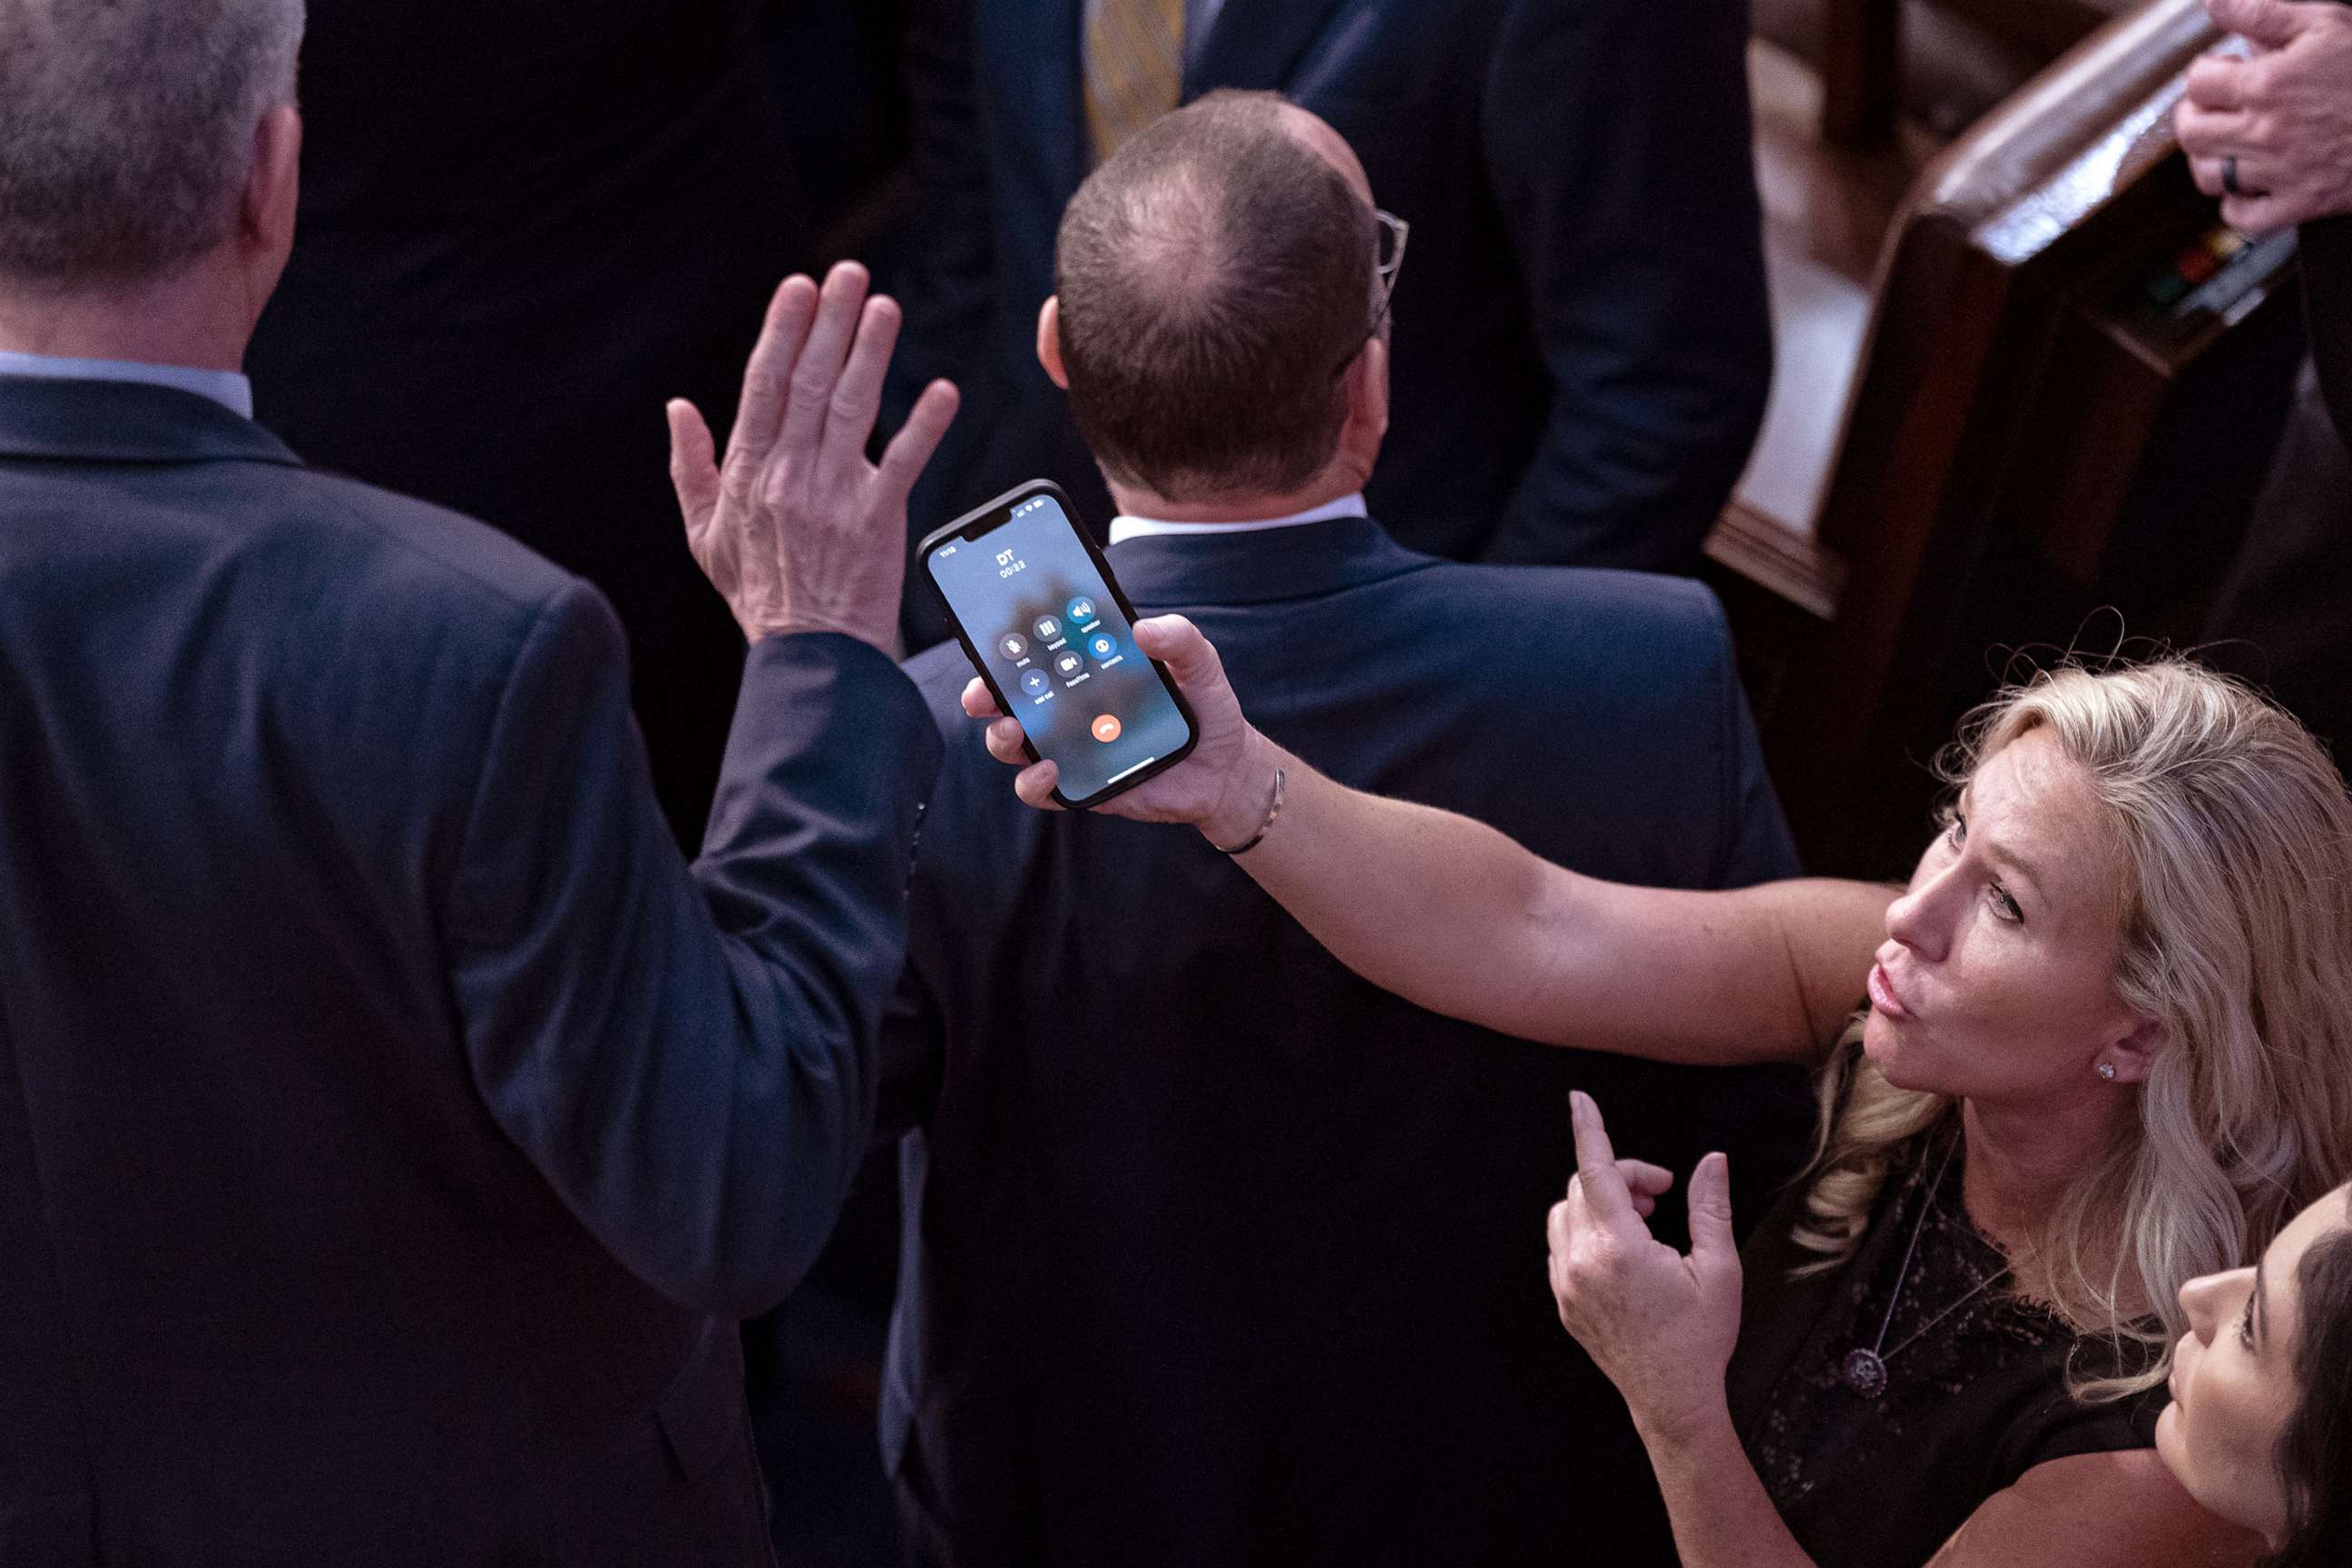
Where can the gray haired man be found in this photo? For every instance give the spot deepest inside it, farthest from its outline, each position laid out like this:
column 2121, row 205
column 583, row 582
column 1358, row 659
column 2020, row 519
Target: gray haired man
column 391, row 1124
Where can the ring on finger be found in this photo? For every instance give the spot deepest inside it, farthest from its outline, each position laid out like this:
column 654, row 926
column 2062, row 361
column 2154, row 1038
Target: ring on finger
column 2229, row 176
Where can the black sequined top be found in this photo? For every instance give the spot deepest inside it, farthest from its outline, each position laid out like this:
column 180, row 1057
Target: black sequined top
column 1975, row 1390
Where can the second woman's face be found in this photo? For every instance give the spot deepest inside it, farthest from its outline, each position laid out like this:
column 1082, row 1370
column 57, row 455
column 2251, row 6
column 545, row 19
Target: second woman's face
column 1997, row 979
column 2234, row 1377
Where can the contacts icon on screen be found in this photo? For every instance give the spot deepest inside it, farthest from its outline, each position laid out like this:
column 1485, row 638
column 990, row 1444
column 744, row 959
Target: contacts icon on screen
column 1103, row 646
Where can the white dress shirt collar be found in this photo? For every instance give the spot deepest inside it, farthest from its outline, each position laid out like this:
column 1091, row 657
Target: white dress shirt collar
column 1123, row 529
column 226, row 387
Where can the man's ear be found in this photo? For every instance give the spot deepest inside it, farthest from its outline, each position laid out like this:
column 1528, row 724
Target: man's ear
column 1049, row 341
column 1368, row 391
column 273, row 191
column 2134, row 1056
column 1367, row 413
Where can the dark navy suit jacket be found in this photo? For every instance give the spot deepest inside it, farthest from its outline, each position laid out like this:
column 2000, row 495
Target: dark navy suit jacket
column 1582, row 342
column 1216, row 1253
column 391, row 1124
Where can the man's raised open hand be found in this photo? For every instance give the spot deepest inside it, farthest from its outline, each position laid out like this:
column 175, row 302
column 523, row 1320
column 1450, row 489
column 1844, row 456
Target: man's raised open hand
column 796, row 530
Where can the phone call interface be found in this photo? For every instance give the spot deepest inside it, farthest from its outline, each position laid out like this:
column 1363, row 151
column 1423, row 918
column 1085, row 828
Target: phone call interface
column 1058, row 648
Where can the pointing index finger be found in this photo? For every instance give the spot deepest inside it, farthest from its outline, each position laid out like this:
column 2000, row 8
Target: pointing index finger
column 1605, row 1192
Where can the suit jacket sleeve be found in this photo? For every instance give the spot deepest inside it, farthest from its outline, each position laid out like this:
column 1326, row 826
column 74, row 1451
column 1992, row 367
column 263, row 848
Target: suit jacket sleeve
column 1618, row 144
column 689, row 1055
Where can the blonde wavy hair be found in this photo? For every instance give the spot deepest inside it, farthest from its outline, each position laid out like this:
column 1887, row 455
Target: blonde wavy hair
column 2234, row 839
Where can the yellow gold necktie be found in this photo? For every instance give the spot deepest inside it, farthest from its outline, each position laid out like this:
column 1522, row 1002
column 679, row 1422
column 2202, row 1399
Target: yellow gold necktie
column 1134, row 67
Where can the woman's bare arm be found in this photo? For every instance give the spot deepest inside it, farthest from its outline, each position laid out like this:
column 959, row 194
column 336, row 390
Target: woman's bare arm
column 1459, row 919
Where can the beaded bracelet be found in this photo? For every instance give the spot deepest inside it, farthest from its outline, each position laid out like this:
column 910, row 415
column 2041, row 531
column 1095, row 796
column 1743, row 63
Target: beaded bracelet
column 1272, row 811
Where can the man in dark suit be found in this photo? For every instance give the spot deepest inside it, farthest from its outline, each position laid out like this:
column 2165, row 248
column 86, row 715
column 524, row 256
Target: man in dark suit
column 533, row 222
column 1583, row 347
column 396, row 1125
column 1214, row 1253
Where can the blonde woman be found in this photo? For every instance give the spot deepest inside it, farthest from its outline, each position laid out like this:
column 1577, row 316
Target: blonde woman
column 2106, row 1051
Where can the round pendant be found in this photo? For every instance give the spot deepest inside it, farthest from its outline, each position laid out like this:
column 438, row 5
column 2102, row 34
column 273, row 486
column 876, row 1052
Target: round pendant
column 1865, row 1374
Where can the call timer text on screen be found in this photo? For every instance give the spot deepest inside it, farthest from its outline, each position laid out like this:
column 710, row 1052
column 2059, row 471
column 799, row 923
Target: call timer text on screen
column 1056, row 645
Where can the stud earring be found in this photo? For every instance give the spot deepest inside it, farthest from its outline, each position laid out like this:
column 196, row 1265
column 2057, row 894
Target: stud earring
column 2107, row 1071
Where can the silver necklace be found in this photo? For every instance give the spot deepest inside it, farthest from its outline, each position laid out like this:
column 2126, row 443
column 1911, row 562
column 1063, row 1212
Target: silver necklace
column 1865, row 1371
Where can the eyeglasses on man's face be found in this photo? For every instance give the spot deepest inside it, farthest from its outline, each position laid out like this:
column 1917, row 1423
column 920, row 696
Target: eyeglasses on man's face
column 1388, row 260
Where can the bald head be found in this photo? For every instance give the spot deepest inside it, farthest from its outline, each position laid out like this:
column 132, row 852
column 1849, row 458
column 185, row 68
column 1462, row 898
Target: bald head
column 1328, row 144
column 1214, row 278
column 127, row 129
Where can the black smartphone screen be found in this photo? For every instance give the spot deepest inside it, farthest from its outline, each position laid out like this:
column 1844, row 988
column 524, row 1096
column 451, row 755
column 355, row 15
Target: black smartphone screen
column 1038, row 613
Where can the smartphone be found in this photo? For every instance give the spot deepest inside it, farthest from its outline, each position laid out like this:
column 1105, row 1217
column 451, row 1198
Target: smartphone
column 1043, row 620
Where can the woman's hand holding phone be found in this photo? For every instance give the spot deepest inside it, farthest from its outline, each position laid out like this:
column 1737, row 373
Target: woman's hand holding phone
column 1223, row 788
